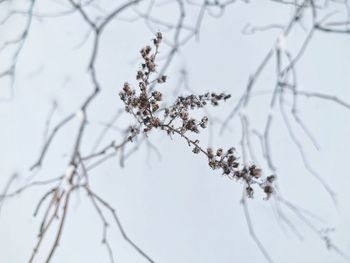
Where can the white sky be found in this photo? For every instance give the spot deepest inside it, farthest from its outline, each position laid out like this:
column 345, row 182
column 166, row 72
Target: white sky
column 176, row 208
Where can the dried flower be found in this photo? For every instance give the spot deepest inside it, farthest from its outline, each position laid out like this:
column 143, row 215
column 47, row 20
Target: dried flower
column 177, row 119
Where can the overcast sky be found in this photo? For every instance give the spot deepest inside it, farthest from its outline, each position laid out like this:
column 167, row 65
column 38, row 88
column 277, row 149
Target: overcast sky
column 174, row 206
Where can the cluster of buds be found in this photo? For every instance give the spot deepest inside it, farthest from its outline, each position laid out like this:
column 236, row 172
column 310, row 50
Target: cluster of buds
column 267, row 185
column 133, row 131
column 157, row 39
column 180, row 110
column 196, row 102
column 144, row 105
column 149, row 65
column 228, row 163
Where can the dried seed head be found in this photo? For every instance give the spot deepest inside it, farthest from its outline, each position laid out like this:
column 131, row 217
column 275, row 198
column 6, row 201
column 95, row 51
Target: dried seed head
column 144, row 105
column 271, row 178
column 219, row 152
column 255, row 172
column 250, row 191
column 268, row 190
column 196, row 149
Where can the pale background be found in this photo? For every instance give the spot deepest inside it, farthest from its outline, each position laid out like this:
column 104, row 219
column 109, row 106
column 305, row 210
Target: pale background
column 175, row 208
